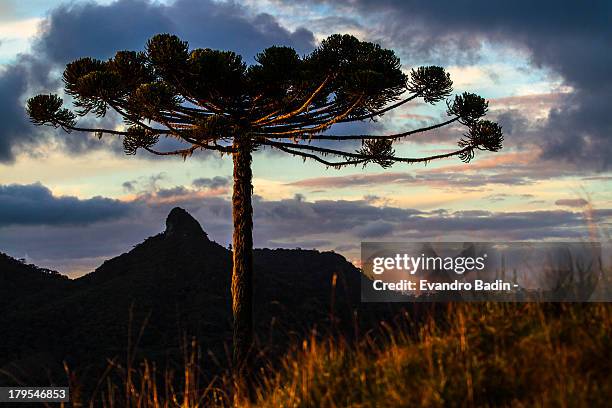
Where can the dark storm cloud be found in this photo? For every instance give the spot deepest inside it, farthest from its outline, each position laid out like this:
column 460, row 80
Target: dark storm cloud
column 75, row 30
column 227, row 25
column 16, row 131
column 34, row 204
column 572, row 38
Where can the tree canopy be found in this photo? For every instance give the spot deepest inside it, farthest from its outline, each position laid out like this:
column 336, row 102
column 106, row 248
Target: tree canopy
column 284, row 101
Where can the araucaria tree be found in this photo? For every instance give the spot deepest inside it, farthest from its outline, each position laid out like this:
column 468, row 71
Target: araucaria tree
column 213, row 100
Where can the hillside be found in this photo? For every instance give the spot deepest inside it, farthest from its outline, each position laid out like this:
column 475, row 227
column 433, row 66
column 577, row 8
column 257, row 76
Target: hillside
column 22, row 285
column 178, row 282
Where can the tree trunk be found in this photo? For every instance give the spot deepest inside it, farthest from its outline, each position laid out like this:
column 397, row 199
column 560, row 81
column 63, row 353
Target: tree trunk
column 242, row 274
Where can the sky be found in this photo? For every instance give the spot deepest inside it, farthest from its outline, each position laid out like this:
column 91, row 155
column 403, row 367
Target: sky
column 69, row 202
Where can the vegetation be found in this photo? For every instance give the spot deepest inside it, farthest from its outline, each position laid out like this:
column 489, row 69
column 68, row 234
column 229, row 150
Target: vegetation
column 17, row 278
column 175, row 284
column 487, row 354
column 211, row 100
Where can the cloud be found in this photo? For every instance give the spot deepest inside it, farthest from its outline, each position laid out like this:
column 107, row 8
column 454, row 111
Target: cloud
column 75, row 30
column 572, row 202
column 172, row 192
column 16, row 130
column 17, row 133
column 306, row 244
column 17, row 29
column 229, row 25
column 129, row 186
column 511, row 169
column 35, row 204
column 354, row 180
column 528, row 102
column 212, row 183
column 503, row 196
column 374, row 229
column 152, row 194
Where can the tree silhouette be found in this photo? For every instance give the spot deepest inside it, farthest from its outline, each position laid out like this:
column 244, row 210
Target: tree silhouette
column 213, row 100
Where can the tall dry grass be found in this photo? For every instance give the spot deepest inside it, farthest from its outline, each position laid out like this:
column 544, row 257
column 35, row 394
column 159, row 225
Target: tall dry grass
column 483, row 355
column 487, row 354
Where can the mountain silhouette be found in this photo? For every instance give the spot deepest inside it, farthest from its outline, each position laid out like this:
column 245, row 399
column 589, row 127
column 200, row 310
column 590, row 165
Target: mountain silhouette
column 174, row 285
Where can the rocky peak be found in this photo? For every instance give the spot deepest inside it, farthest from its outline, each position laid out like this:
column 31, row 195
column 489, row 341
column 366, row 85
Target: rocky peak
column 181, row 224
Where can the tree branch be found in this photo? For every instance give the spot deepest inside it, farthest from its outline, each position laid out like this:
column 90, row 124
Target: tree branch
column 380, row 112
column 319, row 159
column 99, row 131
column 360, row 157
column 189, row 151
column 271, row 135
column 297, row 111
column 322, row 126
column 181, row 152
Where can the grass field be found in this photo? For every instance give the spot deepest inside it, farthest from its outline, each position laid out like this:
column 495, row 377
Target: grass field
column 487, row 354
